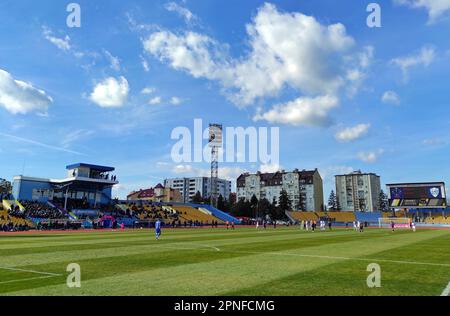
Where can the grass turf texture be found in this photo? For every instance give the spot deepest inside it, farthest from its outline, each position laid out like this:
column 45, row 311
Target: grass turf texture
column 285, row 261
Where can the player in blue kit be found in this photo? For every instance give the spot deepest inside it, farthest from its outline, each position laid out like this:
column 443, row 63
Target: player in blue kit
column 158, row 229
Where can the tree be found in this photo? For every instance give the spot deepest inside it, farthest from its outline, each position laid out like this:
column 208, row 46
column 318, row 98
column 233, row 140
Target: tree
column 383, row 202
column 332, row 202
column 265, row 207
column 242, row 208
column 254, row 206
column 284, row 205
column 232, row 199
column 230, row 204
column 221, row 203
column 5, row 187
column 197, row 198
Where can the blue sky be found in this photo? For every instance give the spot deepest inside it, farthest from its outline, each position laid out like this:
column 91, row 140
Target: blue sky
column 344, row 95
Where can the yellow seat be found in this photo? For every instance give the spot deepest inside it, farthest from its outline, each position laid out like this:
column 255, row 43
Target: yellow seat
column 304, row 216
column 192, row 214
column 342, row 216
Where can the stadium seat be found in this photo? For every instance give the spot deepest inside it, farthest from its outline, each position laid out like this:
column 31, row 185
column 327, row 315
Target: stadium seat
column 193, row 214
column 304, row 216
column 342, row 217
column 369, row 217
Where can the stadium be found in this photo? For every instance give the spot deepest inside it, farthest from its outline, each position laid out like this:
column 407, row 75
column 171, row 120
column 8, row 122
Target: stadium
column 235, row 153
column 50, row 224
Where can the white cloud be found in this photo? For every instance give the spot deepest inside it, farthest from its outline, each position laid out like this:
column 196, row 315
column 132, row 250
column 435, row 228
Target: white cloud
column 302, row 111
column 390, row 97
column 113, row 60
column 175, row 101
column 358, row 73
column 434, row 142
column 352, row 133
column 189, row 52
column 61, row 43
column 423, row 58
column 39, row 144
column 181, row 11
column 154, row 101
column 111, row 92
column 19, row 97
column 74, row 136
column 182, row 169
column 148, row 90
column 136, row 26
column 145, row 64
column 370, row 157
column 230, row 173
column 270, row 168
column 436, row 8
column 286, row 50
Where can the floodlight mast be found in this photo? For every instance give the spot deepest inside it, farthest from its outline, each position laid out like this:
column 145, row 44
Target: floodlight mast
column 215, row 142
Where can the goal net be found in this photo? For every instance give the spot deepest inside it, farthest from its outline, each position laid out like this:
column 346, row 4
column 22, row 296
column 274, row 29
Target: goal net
column 399, row 222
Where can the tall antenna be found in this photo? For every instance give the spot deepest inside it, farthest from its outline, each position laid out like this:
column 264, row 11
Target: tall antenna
column 215, row 142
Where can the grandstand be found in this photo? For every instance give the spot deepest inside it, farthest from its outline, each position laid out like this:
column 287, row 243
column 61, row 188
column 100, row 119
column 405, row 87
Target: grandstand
column 430, row 217
column 421, row 218
column 189, row 213
column 337, row 217
column 172, row 214
column 342, row 217
column 224, row 217
column 39, row 210
column 9, row 222
column 437, row 219
column 304, row 216
column 42, row 215
column 85, row 185
column 368, row 217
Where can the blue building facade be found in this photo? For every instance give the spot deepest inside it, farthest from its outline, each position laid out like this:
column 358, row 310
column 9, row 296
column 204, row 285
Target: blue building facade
column 87, row 182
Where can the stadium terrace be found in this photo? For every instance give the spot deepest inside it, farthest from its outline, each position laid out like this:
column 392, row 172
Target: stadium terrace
column 83, row 200
column 46, row 224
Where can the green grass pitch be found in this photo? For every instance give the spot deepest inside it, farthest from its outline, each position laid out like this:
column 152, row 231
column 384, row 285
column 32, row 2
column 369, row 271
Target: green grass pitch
column 206, row 262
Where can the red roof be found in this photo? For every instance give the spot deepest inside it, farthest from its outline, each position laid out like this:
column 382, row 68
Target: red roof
column 148, row 193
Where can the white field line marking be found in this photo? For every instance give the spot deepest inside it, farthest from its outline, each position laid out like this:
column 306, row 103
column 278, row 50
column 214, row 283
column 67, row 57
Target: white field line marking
column 31, row 271
column 212, row 247
column 312, row 256
column 345, row 258
column 29, row 279
column 446, row 291
column 205, row 247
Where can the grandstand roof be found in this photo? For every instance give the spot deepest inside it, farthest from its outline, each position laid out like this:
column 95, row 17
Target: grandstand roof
column 92, row 167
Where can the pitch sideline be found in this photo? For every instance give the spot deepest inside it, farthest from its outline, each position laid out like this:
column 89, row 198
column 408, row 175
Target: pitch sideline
column 446, row 291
